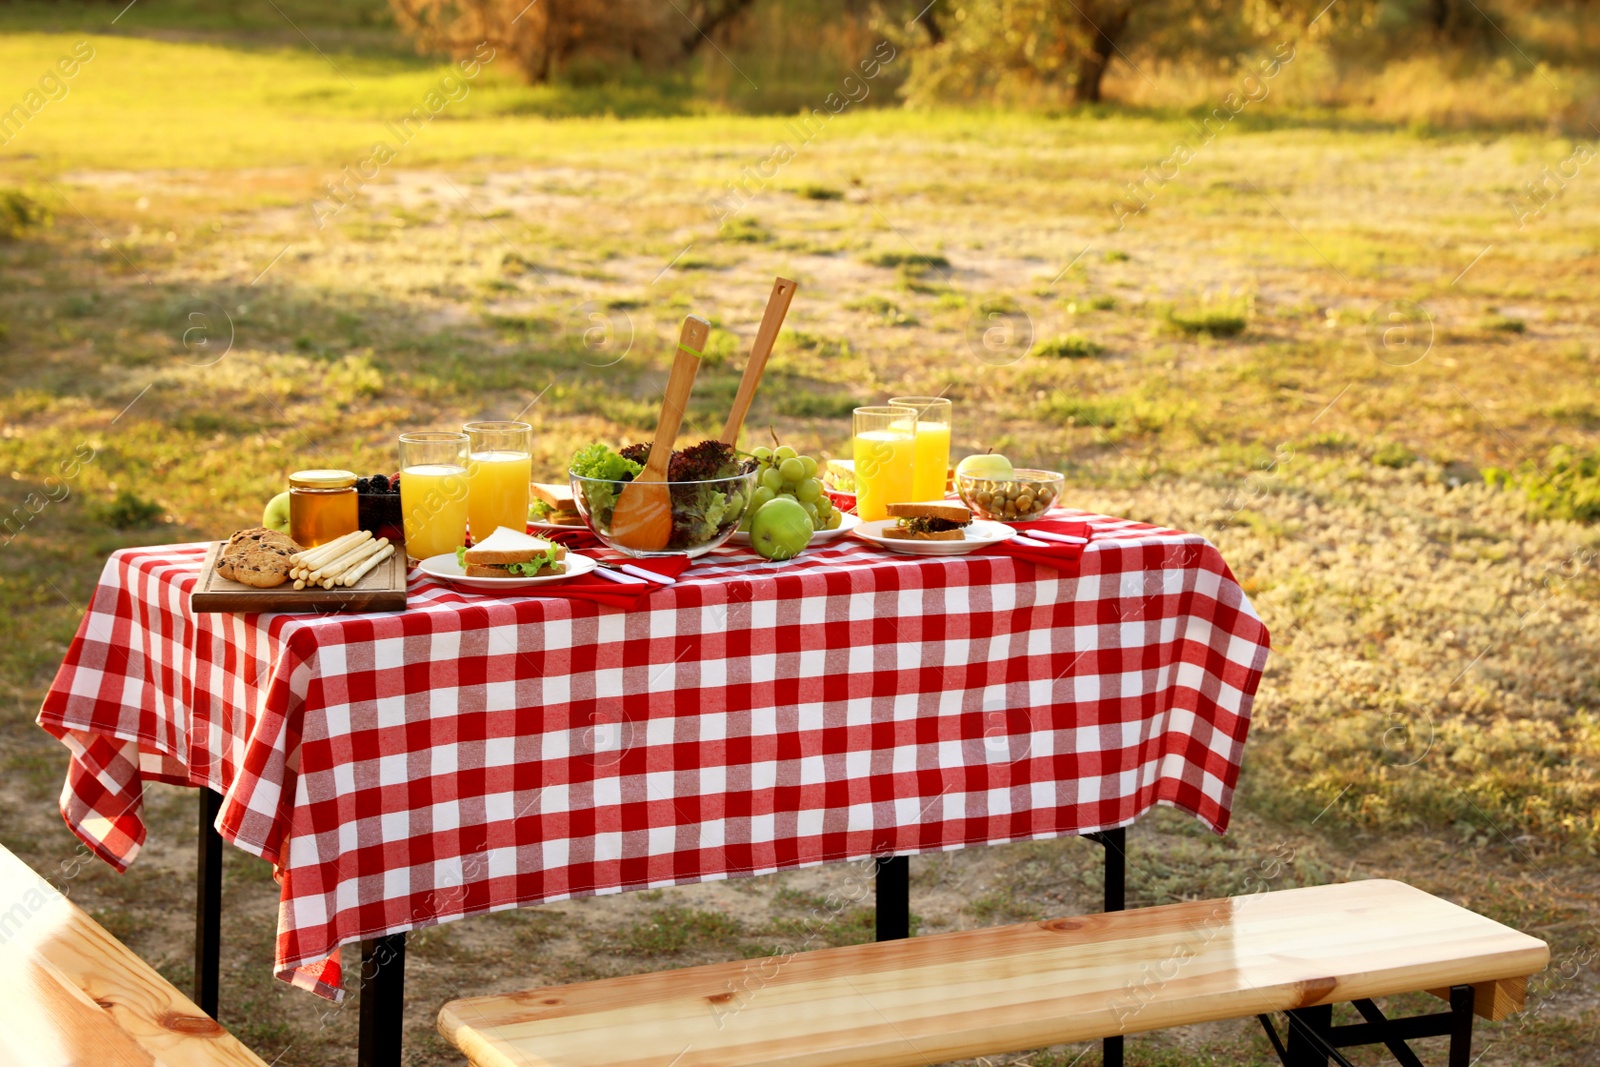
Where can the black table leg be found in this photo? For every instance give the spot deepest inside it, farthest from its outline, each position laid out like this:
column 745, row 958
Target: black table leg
column 383, row 1001
column 208, row 905
column 1308, row 1036
column 893, row 890
column 1115, row 843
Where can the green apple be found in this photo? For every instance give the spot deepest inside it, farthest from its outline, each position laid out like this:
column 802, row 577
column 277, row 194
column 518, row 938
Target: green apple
column 781, row 529
column 988, row 466
column 276, row 517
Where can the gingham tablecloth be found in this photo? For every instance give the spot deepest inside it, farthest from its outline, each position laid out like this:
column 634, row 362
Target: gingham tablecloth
column 474, row 753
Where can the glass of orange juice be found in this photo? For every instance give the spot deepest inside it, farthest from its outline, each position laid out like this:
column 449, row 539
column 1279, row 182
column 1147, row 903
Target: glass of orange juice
column 498, row 470
column 433, row 491
column 884, row 439
column 932, row 451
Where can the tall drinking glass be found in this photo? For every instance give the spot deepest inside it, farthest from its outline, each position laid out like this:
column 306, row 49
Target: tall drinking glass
column 433, row 491
column 884, row 438
column 932, row 451
column 498, row 472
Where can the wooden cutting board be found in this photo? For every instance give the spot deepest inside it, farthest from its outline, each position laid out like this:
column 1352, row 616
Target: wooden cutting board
column 381, row 589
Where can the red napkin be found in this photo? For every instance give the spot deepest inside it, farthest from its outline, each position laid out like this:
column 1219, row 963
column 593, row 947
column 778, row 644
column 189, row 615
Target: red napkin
column 613, row 594
column 1058, row 555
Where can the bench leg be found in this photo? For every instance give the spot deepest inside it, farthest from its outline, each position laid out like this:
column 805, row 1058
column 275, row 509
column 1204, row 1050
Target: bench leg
column 208, row 905
column 892, row 887
column 383, row 1001
column 1115, row 843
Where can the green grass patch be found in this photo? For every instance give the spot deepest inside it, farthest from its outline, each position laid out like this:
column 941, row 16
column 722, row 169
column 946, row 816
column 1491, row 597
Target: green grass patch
column 1565, row 486
column 819, row 192
column 674, row 929
column 1495, row 323
column 1222, row 316
column 910, row 262
column 1070, row 346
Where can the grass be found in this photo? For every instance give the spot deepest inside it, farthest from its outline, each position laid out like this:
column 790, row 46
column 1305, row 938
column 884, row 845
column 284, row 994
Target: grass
column 1070, row 346
column 1224, row 316
column 1429, row 709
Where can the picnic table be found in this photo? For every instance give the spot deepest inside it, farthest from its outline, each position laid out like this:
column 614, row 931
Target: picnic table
column 475, row 753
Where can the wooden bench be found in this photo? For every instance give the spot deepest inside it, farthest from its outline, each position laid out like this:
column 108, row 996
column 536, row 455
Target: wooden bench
column 984, row 992
column 71, row 994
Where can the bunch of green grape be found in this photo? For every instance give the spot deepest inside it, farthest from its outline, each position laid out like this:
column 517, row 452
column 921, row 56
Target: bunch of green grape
column 784, row 472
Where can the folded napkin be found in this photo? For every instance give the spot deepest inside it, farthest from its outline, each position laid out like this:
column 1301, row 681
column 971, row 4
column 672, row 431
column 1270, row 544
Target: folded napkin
column 1055, row 554
column 603, row 590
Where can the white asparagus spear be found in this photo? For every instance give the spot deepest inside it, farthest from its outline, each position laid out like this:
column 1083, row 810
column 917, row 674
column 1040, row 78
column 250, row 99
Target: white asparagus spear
column 351, row 577
column 311, row 554
column 336, row 563
column 312, row 558
column 355, row 555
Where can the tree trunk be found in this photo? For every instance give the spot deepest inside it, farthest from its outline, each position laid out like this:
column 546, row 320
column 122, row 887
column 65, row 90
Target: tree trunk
column 1102, row 27
column 931, row 23
column 703, row 20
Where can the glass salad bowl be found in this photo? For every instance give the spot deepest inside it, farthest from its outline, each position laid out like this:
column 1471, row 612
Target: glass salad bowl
column 704, row 514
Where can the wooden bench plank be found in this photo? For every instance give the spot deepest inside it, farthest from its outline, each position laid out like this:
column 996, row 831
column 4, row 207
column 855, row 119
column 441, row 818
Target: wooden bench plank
column 1005, row 989
column 73, row 994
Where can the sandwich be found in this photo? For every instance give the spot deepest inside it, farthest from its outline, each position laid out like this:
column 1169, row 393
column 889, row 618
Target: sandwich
column 553, row 504
column 931, row 520
column 840, row 475
column 509, row 553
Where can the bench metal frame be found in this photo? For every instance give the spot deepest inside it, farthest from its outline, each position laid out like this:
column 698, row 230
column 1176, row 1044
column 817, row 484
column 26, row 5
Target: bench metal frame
column 383, row 959
column 1313, row 1040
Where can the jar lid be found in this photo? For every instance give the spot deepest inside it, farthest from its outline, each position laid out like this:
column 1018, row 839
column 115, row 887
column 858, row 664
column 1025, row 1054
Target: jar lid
column 322, row 480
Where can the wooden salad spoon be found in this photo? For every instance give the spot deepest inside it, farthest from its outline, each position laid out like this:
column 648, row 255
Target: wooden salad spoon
column 642, row 519
column 771, row 322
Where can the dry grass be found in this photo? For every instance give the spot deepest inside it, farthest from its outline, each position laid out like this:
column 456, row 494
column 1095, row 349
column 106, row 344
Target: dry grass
column 1430, row 709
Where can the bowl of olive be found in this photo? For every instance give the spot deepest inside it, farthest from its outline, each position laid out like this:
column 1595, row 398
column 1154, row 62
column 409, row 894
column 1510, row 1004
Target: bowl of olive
column 1023, row 497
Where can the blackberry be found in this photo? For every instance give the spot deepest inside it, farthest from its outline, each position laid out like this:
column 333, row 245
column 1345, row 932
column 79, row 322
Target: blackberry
column 379, row 483
column 363, row 486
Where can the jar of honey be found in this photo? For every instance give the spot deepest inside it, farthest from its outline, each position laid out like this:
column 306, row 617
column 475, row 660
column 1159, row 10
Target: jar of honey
column 323, row 506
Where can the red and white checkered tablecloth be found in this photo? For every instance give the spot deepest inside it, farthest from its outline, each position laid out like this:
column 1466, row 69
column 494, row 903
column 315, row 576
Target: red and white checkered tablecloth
column 475, row 753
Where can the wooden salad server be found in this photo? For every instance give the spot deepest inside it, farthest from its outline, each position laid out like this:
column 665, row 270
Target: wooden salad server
column 642, row 519
column 771, row 322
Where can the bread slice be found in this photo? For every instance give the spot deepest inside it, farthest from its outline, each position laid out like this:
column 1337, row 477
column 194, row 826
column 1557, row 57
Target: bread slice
column 900, row 533
column 556, row 497
column 506, row 545
column 948, row 510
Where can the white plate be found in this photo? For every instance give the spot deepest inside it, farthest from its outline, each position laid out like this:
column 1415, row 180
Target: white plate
column 847, row 523
column 445, row 568
column 982, row 532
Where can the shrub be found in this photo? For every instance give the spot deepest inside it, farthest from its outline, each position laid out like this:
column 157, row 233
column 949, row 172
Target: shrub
column 20, row 213
column 127, row 511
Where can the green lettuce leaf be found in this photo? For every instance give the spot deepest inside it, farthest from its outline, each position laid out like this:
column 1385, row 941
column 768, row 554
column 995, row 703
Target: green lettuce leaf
column 598, row 461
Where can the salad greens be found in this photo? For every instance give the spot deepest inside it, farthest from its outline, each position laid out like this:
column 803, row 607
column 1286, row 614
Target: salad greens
column 598, row 461
column 700, row 511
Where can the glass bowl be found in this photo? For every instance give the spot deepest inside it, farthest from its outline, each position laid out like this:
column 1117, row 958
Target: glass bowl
column 1023, row 497
column 704, row 514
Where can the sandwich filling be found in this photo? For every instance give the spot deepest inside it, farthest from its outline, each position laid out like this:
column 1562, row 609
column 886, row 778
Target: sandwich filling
column 924, row 524
column 528, row 568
